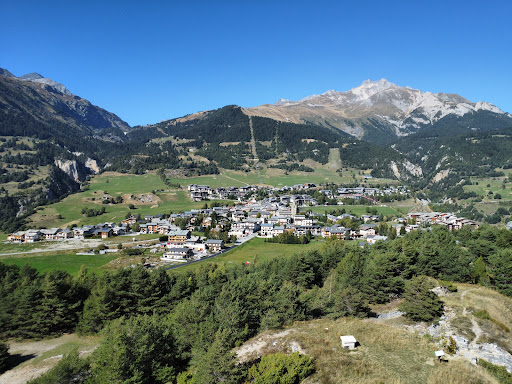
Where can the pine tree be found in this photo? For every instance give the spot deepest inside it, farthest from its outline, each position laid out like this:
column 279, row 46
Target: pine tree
column 4, row 357
column 217, row 364
column 421, row 304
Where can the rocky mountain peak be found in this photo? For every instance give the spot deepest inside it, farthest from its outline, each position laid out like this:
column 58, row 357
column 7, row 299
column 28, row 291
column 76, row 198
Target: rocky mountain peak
column 31, row 76
column 381, row 107
column 6, row 73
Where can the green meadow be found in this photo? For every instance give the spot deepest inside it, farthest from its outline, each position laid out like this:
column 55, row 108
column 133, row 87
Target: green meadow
column 70, row 263
column 256, row 251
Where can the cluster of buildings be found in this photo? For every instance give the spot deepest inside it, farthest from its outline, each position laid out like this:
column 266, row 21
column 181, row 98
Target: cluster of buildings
column 103, row 230
column 205, row 192
column 449, row 220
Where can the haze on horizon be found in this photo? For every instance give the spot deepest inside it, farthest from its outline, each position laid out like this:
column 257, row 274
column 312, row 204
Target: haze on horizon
column 154, row 61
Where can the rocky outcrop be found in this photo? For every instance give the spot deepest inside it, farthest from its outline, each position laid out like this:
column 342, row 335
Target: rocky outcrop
column 406, row 169
column 92, row 165
column 73, row 169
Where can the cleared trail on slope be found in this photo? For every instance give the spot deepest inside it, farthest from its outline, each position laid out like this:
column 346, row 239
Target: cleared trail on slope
column 253, row 143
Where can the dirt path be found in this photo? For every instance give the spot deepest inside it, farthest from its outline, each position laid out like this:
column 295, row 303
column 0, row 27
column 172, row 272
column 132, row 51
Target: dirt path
column 59, row 245
column 238, row 181
column 266, row 343
column 37, row 357
column 475, row 327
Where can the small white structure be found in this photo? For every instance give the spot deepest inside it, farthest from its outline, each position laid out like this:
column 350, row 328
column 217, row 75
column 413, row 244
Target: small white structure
column 439, row 354
column 348, row 342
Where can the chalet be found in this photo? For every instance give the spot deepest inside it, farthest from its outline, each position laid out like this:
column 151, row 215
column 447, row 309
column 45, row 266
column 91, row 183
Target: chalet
column 118, row 231
column 163, row 229
column 277, row 231
column 372, row 239
column 50, row 234
column 194, row 243
column 65, row 234
column 214, row 245
column 83, row 232
column 178, row 253
column 340, row 232
column 302, row 220
column 366, row 230
column 152, row 227
column 246, row 227
column 179, row 237
column 327, row 193
column 302, row 230
column 16, row 237
column 200, row 192
column 32, row 236
column 105, row 233
column 238, row 215
column 335, row 230
column 129, row 221
column 266, row 230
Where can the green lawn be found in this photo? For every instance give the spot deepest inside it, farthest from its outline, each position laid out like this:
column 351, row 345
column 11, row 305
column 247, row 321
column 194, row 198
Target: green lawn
column 257, row 251
column 70, row 263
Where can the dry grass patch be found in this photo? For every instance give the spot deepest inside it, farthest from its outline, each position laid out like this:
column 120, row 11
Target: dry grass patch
column 460, row 372
column 464, row 326
column 386, row 354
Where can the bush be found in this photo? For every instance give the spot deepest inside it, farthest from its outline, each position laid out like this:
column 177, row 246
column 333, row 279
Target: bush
column 71, row 369
column 133, row 251
column 279, row 368
column 499, row 372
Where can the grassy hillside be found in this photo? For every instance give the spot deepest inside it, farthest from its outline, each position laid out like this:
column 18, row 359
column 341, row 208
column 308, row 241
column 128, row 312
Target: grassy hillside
column 393, row 350
column 386, row 354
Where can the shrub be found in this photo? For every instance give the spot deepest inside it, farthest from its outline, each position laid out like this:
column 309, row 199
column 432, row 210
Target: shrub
column 279, row 368
column 71, row 369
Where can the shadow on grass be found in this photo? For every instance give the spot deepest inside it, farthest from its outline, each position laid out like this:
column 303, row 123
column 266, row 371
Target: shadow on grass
column 15, row 360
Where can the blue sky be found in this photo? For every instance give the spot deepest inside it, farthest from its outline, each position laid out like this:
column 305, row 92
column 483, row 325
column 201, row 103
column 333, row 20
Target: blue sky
column 149, row 60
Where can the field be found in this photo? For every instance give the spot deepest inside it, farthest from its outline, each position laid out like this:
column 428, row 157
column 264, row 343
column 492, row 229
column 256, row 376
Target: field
column 488, row 187
column 69, row 210
column 256, row 251
column 70, row 263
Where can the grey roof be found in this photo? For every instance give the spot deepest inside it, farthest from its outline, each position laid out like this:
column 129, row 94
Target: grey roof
column 179, row 250
column 183, row 232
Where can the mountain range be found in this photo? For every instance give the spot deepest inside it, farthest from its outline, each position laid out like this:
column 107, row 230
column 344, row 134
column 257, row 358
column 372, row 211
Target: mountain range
column 34, row 105
column 383, row 110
